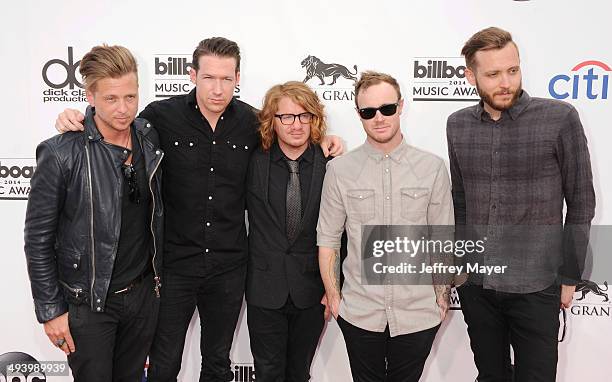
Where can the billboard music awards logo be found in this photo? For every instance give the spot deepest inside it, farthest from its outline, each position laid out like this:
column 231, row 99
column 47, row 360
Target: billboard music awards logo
column 441, row 79
column 15, row 176
column 171, row 76
column 63, row 80
column 327, row 75
column 587, row 80
column 12, row 363
column 243, row 372
column 591, row 299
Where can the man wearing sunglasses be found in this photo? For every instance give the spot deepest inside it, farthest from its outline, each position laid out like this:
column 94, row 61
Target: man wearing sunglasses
column 514, row 160
column 388, row 329
column 93, row 229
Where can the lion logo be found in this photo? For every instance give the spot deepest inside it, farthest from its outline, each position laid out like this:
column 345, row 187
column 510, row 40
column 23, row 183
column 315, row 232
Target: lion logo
column 586, row 286
column 317, row 68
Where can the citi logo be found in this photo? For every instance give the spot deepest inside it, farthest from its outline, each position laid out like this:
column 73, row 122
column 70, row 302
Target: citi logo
column 172, row 66
column 594, row 83
column 438, row 69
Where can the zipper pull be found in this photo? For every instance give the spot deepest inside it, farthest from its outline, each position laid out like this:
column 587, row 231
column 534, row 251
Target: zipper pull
column 157, row 286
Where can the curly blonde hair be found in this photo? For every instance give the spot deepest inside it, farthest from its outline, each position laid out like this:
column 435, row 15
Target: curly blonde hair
column 302, row 95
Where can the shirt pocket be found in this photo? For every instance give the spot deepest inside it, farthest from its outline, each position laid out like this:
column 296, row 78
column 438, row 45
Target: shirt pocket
column 188, row 152
column 361, row 204
column 414, row 203
column 237, row 154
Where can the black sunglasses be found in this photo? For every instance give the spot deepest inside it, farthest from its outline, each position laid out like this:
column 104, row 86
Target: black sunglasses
column 130, row 175
column 386, row 110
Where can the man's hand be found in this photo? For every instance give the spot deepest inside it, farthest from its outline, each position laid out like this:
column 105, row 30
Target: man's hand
column 442, row 299
column 333, row 302
column 567, row 295
column 58, row 332
column 327, row 310
column 69, row 120
column 332, row 145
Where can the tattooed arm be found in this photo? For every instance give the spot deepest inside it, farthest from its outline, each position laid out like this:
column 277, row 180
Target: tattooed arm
column 329, row 265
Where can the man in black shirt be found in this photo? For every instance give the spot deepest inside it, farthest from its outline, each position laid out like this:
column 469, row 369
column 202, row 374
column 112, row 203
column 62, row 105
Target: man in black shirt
column 93, row 228
column 208, row 137
column 284, row 289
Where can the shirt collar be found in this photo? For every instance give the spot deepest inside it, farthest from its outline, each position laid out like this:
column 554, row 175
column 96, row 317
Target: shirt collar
column 514, row 111
column 276, row 154
column 396, row 154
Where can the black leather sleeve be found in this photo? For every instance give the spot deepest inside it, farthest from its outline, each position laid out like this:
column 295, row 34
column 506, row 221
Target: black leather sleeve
column 45, row 203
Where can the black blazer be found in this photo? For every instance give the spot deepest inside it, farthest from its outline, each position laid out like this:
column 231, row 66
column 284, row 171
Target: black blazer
column 278, row 268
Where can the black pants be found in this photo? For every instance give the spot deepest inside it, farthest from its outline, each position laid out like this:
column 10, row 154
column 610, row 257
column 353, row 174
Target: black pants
column 113, row 345
column 283, row 341
column 528, row 322
column 376, row 356
column 219, row 300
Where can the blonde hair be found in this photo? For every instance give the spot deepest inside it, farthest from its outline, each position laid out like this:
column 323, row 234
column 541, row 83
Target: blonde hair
column 302, row 95
column 105, row 61
column 371, row 78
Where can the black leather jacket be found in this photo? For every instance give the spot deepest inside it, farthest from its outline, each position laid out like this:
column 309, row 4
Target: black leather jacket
column 73, row 218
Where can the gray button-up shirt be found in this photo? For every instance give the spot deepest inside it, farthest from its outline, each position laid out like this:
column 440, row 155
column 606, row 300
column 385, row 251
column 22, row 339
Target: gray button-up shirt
column 510, row 178
column 408, row 186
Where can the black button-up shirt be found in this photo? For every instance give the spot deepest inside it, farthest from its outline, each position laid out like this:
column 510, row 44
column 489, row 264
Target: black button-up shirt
column 511, row 177
column 279, row 177
column 204, row 183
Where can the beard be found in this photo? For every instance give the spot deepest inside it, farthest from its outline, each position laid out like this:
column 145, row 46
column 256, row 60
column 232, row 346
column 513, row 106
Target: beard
column 489, row 98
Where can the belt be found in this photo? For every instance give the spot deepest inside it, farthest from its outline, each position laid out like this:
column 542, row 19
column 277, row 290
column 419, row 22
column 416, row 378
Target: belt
column 134, row 282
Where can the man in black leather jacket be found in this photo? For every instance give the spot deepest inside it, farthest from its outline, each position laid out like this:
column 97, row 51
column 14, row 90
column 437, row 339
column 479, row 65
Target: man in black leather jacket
column 94, row 227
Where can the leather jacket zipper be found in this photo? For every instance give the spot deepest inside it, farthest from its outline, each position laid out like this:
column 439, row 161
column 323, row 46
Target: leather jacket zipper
column 156, row 276
column 91, row 227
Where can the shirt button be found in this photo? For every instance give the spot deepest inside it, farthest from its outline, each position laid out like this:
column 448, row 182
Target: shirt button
column 157, row 152
column 208, row 224
column 99, row 309
column 196, row 106
column 387, row 198
column 190, row 144
column 75, row 266
column 233, row 146
column 221, row 117
column 386, row 170
column 212, row 169
column 386, row 155
column 214, row 142
column 493, row 207
column 175, row 143
column 246, row 147
column 148, row 125
column 207, row 250
column 210, row 197
column 98, row 300
column 125, row 151
column 389, row 307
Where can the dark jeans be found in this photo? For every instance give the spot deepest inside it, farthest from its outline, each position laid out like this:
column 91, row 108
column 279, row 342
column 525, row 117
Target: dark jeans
column 113, row 345
column 376, row 356
column 529, row 322
column 283, row 341
column 219, row 300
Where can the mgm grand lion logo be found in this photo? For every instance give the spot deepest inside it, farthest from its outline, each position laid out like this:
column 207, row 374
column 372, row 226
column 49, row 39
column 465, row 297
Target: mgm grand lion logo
column 317, row 68
column 586, row 286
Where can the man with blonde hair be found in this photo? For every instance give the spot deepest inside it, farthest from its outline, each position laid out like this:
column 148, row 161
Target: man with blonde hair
column 93, row 228
column 388, row 328
column 284, row 290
